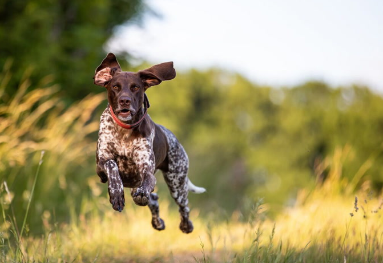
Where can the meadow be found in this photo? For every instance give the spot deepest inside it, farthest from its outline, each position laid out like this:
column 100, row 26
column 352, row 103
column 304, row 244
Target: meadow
column 54, row 209
column 322, row 227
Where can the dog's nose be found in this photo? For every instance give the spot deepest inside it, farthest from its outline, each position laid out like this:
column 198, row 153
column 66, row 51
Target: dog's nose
column 124, row 100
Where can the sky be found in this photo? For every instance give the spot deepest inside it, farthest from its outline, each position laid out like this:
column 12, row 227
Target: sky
column 271, row 42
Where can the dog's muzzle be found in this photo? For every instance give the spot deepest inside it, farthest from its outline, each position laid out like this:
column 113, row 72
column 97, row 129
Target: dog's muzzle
column 125, row 114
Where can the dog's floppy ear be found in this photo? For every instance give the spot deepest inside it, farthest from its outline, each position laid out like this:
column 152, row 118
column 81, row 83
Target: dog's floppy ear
column 108, row 67
column 158, row 73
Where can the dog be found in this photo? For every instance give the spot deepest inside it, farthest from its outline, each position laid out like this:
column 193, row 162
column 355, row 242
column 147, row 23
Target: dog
column 131, row 147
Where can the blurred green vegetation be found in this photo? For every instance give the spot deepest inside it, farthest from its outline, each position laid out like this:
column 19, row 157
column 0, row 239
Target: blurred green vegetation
column 248, row 141
column 64, row 38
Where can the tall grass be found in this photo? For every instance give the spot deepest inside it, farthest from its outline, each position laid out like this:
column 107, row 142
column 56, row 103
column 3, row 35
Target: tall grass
column 19, row 251
column 337, row 221
column 36, row 120
column 56, row 211
column 323, row 226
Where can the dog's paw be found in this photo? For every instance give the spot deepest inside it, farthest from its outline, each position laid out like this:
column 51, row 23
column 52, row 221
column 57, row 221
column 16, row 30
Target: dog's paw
column 140, row 197
column 117, row 199
column 186, row 226
column 158, row 224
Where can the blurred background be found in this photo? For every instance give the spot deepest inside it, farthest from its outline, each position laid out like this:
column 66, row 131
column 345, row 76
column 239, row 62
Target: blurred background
column 265, row 94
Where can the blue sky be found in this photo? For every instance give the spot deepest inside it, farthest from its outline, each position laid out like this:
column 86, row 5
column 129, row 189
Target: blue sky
column 274, row 42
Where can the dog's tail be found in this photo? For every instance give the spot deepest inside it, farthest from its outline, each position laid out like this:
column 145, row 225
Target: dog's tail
column 195, row 189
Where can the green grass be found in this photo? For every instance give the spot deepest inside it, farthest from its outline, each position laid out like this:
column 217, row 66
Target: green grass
column 319, row 229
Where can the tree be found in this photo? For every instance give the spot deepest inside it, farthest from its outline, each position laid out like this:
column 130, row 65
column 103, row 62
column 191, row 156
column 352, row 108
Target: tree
column 63, row 37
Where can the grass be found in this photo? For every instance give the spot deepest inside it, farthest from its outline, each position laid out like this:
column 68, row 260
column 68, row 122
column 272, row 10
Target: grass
column 55, row 210
column 320, row 228
column 36, row 120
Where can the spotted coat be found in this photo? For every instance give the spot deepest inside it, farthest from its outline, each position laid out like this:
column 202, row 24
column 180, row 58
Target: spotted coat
column 130, row 157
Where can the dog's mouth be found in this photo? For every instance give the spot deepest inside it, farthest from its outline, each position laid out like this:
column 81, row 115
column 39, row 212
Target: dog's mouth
column 124, row 114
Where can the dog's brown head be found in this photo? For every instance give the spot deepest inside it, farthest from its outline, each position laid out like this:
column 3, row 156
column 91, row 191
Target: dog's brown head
column 126, row 89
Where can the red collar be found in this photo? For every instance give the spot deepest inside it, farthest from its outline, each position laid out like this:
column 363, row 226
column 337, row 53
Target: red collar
column 123, row 125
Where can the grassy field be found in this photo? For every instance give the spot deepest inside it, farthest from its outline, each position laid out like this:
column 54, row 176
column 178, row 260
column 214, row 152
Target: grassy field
column 326, row 225
column 53, row 208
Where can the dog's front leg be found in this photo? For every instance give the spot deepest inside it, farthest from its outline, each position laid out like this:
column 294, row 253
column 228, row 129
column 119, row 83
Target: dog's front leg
column 115, row 186
column 143, row 158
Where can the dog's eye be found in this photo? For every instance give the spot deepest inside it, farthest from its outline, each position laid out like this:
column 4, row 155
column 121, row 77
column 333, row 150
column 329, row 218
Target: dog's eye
column 115, row 87
column 134, row 88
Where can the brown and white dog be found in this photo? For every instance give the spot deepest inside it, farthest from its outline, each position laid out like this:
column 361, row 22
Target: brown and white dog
column 131, row 147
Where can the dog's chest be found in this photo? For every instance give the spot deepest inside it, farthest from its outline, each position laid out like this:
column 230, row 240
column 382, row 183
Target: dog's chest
column 115, row 141
column 132, row 155
column 124, row 143
column 131, row 152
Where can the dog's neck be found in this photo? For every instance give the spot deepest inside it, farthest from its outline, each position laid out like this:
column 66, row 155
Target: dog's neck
column 142, row 129
column 126, row 125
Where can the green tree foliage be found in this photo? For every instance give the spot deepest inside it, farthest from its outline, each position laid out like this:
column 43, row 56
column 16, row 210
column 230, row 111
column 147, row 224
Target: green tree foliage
column 64, row 38
column 248, row 141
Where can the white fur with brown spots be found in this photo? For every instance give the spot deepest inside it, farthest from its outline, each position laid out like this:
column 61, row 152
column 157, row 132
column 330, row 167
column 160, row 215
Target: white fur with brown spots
column 130, row 157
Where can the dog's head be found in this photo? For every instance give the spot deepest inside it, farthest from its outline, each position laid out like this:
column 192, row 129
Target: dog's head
column 126, row 89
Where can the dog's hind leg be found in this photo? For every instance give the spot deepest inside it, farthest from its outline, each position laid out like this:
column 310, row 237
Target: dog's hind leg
column 157, row 222
column 178, row 184
column 175, row 176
